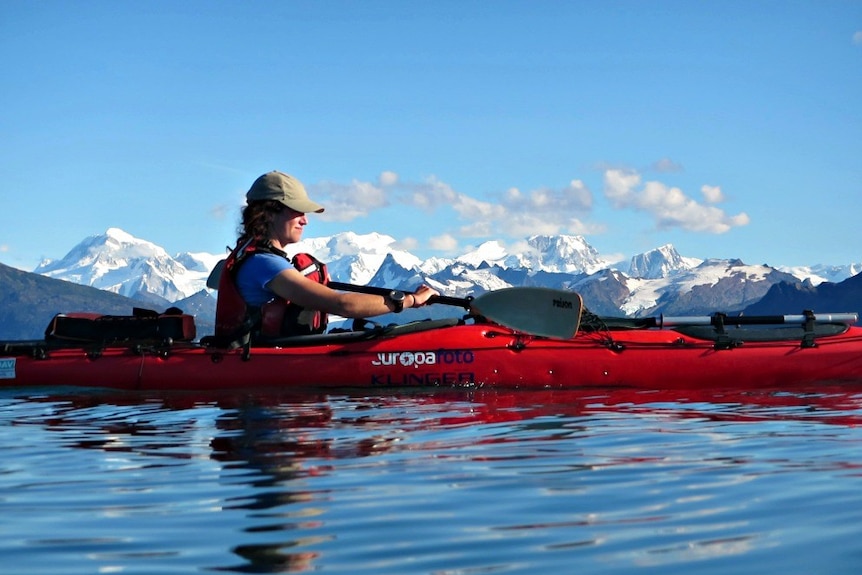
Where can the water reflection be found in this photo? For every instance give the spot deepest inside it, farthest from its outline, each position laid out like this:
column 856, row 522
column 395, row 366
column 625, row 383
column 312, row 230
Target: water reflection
column 294, row 471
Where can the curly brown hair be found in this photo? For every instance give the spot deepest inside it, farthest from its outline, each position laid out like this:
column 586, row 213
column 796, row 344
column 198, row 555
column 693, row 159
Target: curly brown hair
column 257, row 218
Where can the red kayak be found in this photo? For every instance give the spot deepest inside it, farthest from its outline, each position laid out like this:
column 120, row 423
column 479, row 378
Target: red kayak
column 668, row 353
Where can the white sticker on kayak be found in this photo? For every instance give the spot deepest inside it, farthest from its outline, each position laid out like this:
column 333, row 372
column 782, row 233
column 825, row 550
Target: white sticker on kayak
column 7, row 368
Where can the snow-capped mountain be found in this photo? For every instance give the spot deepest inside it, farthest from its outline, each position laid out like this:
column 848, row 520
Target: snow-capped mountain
column 198, row 261
column 355, row 258
column 561, row 254
column 659, row 263
column 657, row 281
column 818, row 274
column 712, row 285
column 118, row 262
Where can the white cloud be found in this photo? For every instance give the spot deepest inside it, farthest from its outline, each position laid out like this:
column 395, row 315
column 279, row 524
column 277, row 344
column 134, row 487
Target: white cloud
column 443, row 243
column 481, row 229
column 388, row 178
column 473, row 209
column 527, row 224
column 430, row 194
column 344, row 203
column 857, row 37
column 406, row 244
column 666, row 165
column 222, row 211
column 619, row 185
column 575, row 196
column 519, row 213
column 669, row 206
column 581, row 228
column 513, row 213
column 712, row 194
column 540, row 211
column 614, row 257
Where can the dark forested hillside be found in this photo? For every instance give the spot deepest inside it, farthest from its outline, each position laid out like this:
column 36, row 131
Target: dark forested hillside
column 783, row 298
column 28, row 301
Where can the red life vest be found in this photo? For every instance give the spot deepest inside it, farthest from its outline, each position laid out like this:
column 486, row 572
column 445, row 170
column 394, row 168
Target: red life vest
column 236, row 321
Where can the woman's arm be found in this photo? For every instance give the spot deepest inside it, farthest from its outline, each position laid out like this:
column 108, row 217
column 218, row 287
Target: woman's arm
column 296, row 288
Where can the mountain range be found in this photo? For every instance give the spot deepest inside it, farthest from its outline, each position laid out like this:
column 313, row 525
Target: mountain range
column 659, row 281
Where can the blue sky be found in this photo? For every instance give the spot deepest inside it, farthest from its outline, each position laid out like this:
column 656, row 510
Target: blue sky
column 729, row 129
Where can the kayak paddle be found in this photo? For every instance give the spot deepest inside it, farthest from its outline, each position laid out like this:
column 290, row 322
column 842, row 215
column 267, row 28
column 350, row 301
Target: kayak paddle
column 534, row 310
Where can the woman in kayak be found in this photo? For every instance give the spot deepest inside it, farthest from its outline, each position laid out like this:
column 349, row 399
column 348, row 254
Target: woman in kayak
column 274, row 218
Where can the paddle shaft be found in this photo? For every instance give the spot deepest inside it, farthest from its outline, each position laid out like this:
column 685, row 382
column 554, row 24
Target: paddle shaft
column 676, row 321
column 441, row 299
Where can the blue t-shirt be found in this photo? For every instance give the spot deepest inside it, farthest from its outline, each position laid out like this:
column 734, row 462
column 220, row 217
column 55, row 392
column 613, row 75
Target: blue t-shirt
column 255, row 274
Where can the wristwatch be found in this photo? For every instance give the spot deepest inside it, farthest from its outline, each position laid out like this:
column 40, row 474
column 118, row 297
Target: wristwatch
column 397, row 299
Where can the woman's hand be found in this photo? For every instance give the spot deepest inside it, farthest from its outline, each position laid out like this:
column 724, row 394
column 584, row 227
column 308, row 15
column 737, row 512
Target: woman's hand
column 421, row 295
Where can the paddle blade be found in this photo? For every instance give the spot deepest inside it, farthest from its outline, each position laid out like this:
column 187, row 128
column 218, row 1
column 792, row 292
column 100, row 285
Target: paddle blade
column 534, row 310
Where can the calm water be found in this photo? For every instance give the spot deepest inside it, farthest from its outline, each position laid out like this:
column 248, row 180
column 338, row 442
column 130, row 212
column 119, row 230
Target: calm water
column 441, row 483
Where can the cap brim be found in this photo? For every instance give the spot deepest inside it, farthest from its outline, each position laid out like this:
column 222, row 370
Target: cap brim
column 304, row 206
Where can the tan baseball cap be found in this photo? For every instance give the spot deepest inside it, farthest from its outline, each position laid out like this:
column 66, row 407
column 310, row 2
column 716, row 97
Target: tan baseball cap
column 282, row 188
